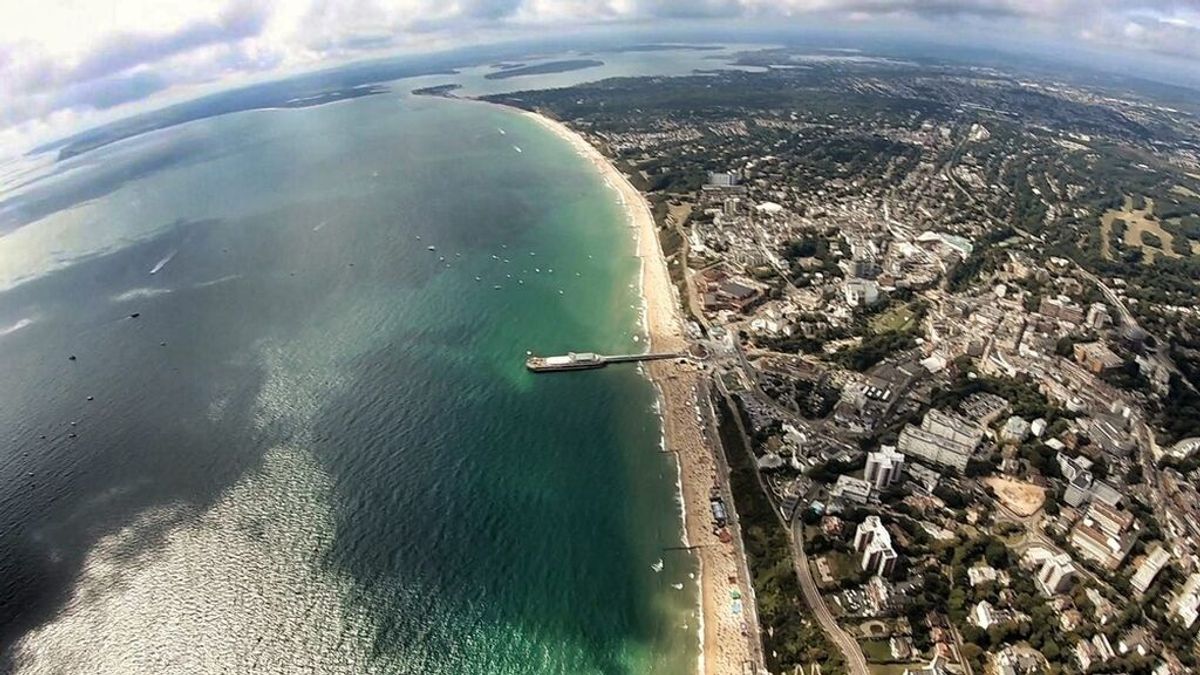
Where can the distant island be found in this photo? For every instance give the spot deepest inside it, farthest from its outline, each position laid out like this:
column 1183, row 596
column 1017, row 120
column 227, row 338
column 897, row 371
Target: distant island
column 544, row 68
column 665, row 47
column 437, row 90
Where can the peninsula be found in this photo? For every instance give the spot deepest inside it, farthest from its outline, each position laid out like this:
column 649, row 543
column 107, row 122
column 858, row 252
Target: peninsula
column 563, row 66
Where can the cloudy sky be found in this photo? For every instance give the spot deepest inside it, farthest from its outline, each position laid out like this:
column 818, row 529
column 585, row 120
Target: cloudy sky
column 67, row 63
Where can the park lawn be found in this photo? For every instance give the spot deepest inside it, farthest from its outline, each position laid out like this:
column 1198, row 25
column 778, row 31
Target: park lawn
column 895, row 319
column 877, row 651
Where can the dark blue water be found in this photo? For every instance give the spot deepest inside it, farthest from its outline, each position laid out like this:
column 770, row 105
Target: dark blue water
column 315, row 448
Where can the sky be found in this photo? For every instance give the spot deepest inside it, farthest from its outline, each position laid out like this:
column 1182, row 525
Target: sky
column 65, row 64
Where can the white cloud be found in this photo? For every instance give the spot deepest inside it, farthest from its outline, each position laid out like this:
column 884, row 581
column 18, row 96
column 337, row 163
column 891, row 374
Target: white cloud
column 63, row 60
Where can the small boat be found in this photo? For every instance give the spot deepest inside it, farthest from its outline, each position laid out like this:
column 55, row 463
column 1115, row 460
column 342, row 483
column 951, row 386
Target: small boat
column 431, row 248
column 678, row 587
column 657, row 566
column 496, row 287
column 478, row 279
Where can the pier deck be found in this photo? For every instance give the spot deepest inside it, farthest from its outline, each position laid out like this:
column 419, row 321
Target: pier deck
column 588, row 360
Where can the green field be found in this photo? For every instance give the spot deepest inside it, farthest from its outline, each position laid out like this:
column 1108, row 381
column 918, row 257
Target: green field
column 876, row 651
column 899, row 318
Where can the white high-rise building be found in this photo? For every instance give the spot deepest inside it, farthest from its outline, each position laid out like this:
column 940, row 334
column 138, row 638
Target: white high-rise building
column 943, row 438
column 873, row 541
column 1056, row 574
column 884, row 467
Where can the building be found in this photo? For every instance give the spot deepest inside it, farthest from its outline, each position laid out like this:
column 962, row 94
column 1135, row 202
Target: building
column 1056, row 574
column 1186, row 605
column 985, row 574
column 1111, row 521
column 1082, row 486
column 874, row 542
column 1109, row 434
column 985, row 615
column 1103, row 611
column 1077, row 472
column 884, row 467
column 722, row 179
column 1061, row 308
column 861, row 292
column 879, row 595
column 1098, row 316
column 1093, row 652
column 851, row 489
column 1085, row 653
column 983, row 408
column 935, row 667
column 1037, row 427
column 943, row 438
column 1104, row 534
column 1155, row 560
column 737, row 295
column 1015, row 430
column 1096, row 357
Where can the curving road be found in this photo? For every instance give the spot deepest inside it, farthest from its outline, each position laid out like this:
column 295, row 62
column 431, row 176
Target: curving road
column 856, row 663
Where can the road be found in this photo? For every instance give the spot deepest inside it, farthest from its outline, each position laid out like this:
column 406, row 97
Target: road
column 856, row 663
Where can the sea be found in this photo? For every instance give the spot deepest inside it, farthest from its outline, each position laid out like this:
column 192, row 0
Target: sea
column 264, row 405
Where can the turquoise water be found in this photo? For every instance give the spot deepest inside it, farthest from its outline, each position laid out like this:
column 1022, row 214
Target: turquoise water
column 316, row 449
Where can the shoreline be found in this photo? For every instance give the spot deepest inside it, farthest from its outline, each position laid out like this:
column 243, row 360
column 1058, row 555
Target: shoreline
column 724, row 650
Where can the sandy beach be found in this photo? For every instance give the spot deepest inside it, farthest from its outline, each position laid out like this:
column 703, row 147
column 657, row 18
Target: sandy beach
column 725, row 650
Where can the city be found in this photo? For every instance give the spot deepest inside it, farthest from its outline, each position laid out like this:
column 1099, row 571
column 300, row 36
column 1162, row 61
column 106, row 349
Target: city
column 950, row 318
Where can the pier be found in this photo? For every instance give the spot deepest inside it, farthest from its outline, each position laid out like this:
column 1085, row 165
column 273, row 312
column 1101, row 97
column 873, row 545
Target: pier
column 590, row 360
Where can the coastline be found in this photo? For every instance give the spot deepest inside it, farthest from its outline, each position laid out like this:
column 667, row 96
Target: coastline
column 724, row 649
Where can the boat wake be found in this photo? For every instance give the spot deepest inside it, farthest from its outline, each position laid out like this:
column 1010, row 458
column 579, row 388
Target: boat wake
column 136, row 293
column 8, row 330
column 163, row 263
